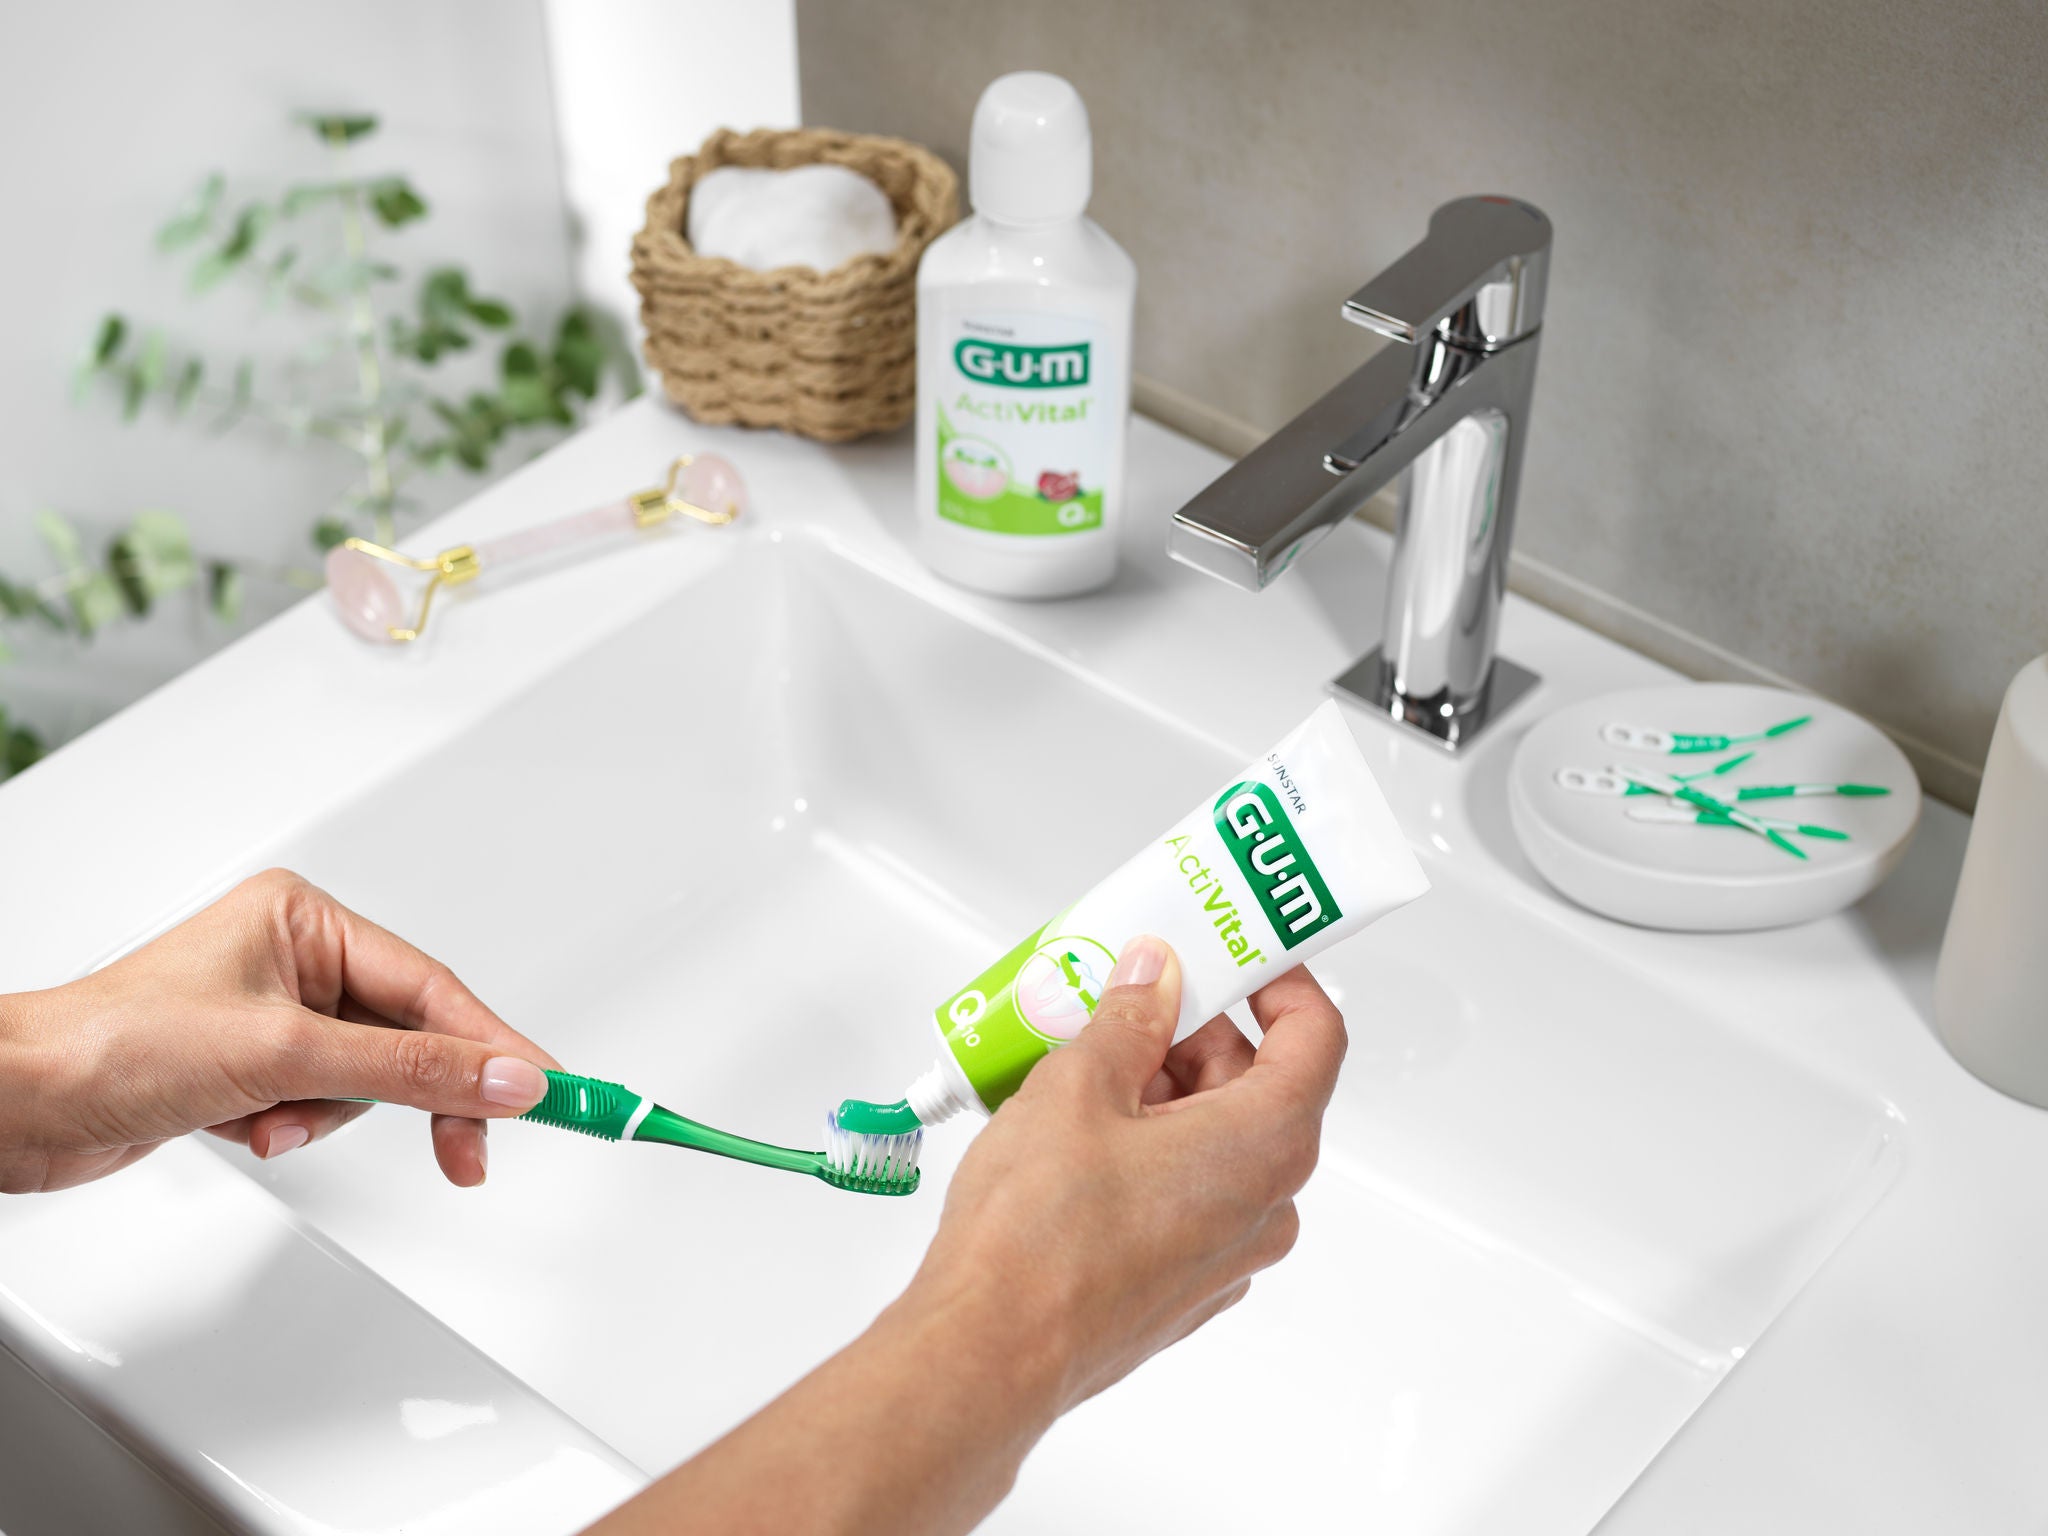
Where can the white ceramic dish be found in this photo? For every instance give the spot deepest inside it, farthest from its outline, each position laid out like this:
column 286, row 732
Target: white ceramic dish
column 1595, row 846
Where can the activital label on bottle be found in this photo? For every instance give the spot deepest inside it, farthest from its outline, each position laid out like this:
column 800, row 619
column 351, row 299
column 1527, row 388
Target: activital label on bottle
column 1025, row 440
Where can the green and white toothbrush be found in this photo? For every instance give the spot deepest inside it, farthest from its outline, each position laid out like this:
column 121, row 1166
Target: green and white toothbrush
column 868, row 1153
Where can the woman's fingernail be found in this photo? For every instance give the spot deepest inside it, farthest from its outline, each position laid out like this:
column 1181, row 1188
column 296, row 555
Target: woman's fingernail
column 283, row 1138
column 1142, row 963
column 514, row 1083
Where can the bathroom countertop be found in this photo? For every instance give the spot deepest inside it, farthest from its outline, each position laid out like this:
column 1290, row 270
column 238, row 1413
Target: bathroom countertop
column 1905, row 1390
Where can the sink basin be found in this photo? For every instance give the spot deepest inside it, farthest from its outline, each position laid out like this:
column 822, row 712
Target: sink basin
column 732, row 855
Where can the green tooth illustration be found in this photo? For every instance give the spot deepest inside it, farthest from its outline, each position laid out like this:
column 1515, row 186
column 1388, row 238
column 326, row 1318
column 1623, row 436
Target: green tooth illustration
column 1067, row 963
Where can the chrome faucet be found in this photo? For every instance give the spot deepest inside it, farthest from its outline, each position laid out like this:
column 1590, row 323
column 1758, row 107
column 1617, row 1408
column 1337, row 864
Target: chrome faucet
column 1452, row 408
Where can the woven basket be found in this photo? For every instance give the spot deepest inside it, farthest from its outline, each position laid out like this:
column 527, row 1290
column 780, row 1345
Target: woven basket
column 830, row 355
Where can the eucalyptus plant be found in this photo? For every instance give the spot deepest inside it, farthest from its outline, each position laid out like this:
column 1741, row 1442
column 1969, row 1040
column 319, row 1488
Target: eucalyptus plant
column 363, row 386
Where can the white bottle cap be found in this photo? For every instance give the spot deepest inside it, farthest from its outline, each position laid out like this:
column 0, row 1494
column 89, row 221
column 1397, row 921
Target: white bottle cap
column 1031, row 160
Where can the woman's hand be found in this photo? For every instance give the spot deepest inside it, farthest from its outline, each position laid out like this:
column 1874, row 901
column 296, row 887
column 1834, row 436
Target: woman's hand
column 251, row 1020
column 1129, row 1191
column 1120, row 1200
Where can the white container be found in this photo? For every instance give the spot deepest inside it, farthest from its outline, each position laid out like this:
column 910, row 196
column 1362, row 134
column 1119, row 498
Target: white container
column 1991, row 988
column 1023, row 359
column 1638, row 859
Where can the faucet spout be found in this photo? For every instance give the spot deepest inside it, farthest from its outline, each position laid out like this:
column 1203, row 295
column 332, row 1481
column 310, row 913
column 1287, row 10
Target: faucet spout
column 1450, row 411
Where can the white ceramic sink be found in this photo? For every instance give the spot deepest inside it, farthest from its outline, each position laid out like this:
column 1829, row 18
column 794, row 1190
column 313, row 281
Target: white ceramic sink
column 722, row 817
column 732, row 855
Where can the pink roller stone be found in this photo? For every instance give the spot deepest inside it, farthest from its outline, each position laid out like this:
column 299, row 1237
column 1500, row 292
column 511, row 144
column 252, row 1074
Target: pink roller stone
column 612, row 517
column 364, row 594
column 710, row 482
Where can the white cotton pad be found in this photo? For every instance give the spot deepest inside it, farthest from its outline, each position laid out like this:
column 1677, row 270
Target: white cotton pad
column 817, row 216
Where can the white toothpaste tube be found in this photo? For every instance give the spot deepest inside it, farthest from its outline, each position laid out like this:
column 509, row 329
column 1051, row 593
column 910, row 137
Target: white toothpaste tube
column 1296, row 852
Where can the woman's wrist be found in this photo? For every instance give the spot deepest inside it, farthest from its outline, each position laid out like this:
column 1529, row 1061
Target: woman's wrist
column 21, row 1067
column 981, row 1332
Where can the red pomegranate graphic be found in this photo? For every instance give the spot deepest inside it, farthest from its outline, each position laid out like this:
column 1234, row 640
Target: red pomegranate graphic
column 1057, row 485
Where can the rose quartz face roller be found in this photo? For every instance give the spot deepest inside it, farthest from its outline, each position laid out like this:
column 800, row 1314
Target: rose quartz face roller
column 359, row 573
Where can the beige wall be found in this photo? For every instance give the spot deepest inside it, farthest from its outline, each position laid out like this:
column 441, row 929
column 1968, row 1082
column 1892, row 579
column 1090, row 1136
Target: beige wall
column 1793, row 409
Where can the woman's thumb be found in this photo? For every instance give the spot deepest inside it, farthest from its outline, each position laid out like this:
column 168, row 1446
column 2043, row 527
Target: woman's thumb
column 1134, row 1022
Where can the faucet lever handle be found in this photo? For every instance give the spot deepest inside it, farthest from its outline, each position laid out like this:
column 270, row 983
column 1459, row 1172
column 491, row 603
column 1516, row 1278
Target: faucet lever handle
column 1478, row 277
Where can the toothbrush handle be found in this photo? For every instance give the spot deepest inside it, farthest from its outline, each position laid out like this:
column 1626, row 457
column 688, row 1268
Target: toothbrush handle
column 576, row 528
column 590, row 1105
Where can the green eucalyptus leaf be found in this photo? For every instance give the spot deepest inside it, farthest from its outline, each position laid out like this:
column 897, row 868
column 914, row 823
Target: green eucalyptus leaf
column 281, row 267
column 20, row 600
column 61, row 539
column 123, row 566
column 187, row 384
column 160, row 539
column 224, row 591
column 20, row 749
column 305, row 194
column 528, row 401
column 340, row 127
column 209, row 270
column 133, row 390
column 580, row 354
column 446, row 289
column 489, row 312
column 250, row 224
column 152, row 557
column 106, row 347
column 248, row 229
column 112, row 332
column 395, row 202
column 195, row 218
column 155, row 358
column 328, row 532
column 521, row 360
column 96, row 601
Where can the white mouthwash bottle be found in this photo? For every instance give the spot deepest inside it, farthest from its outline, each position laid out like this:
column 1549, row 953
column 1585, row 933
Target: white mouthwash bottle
column 1024, row 359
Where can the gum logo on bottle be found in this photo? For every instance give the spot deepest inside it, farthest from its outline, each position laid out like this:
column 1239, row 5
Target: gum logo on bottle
column 1275, row 861
column 995, row 362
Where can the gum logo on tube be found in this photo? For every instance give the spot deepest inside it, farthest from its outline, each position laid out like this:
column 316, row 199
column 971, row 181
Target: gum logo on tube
column 1275, row 862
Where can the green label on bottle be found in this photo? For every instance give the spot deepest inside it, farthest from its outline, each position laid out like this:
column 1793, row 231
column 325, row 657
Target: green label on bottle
column 1024, row 445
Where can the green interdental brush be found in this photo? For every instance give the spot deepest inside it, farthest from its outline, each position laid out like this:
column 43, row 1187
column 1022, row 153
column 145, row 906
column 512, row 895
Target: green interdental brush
column 866, row 1161
column 1689, row 815
column 1726, row 765
column 1666, row 785
column 1783, row 791
column 1684, row 743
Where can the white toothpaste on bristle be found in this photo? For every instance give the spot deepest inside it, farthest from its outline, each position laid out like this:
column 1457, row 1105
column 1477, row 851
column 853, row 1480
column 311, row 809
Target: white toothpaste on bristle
column 1296, row 852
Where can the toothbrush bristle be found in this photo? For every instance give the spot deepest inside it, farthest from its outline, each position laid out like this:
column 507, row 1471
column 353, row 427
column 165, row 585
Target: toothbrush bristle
column 871, row 1164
